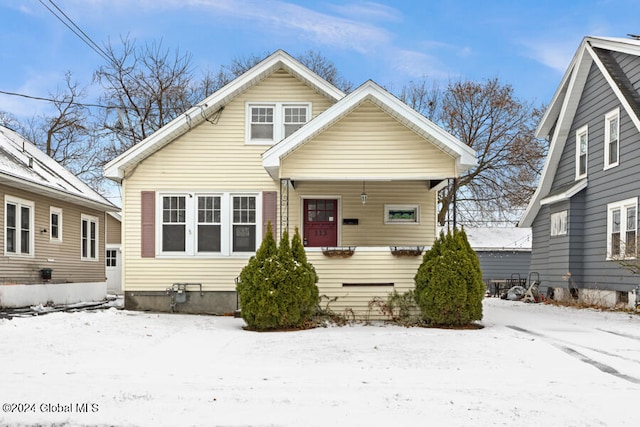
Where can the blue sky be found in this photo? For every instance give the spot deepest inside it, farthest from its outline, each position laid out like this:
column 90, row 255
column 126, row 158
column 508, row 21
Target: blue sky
column 526, row 44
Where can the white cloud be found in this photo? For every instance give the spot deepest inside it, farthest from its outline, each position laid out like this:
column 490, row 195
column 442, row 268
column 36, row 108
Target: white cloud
column 553, row 54
column 418, row 64
column 369, row 11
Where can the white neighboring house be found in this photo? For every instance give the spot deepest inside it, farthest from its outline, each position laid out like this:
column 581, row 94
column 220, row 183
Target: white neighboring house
column 113, row 253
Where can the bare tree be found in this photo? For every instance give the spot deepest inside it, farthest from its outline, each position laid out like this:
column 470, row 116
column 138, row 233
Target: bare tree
column 501, row 129
column 326, row 69
column 8, row 120
column 147, row 88
column 489, row 118
column 67, row 134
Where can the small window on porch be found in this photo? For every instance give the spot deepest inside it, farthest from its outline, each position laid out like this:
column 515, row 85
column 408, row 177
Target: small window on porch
column 401, row 214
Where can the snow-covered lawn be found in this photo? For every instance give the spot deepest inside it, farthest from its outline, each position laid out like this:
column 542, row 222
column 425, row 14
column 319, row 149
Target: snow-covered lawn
column 531, row 365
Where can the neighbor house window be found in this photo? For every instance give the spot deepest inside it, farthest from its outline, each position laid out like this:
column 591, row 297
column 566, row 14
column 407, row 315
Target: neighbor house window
column 112, row 257
column 18, row 226
column 401, row 214
column 559, row 223
column 89, row 238
column 622, row 224
column 611, row 138
column 582, row 148
column 55, row 224
column 271, row 122
column 194, row 224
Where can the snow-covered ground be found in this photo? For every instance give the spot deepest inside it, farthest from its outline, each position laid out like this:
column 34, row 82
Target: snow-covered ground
column 531, row 365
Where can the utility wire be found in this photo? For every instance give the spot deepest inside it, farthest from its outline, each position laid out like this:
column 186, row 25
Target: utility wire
column 39, row 98
column 75, row 29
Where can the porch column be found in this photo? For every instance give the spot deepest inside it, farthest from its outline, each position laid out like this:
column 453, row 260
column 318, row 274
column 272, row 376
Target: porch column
column 284, row 205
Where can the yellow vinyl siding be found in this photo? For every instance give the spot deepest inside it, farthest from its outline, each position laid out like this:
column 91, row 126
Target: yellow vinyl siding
column 63, row 257
column 368, row 142
column 364, row 267
column 371, row 229
column 210, row 157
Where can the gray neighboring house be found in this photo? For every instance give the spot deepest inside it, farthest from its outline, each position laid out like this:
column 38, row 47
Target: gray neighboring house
column 584, row 213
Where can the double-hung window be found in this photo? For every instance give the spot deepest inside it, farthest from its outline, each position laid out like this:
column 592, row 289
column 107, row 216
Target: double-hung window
column 268, row 123
column 582, row 150
column 622, row 224
column 192, row 224
column 89, row 238
column 244, row 223
column 18, row 227
column 612, row 138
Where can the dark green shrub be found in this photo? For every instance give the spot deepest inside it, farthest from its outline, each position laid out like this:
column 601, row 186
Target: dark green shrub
column 449, row 288
column 275, row 290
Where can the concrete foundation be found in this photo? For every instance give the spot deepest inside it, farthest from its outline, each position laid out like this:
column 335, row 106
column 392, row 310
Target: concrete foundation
column 208, row 302
column 17, row 296
column 599, row 297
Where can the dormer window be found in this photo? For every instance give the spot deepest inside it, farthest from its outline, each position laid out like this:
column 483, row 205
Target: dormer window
column 268, row 123
column 582, row 149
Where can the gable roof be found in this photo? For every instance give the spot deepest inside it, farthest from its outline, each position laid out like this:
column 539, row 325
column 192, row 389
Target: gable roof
column 370, row 91
column 558, row 118
column 212, row 104
column 24, row 166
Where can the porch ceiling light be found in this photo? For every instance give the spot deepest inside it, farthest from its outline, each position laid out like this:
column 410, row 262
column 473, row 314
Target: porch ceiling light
column 363, row 195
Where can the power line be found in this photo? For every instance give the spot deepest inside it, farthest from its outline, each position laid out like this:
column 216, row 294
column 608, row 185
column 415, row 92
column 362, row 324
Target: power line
column 75, row 29
column 39, row 98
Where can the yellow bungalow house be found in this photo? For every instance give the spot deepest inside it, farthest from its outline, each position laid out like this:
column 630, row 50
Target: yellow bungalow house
column 357, row 174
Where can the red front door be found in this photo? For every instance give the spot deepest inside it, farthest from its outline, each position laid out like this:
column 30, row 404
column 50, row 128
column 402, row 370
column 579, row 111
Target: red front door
column 320, row 222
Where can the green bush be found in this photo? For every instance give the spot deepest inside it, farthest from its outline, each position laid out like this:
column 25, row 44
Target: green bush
column 449, row 287
column 277, row 288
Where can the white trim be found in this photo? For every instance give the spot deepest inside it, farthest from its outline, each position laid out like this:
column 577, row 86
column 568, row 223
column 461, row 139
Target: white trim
column 413, row 207
column 20, row 203
column 370, row 91
column 582, row 131
column 622, row 205
column 278, row 119
column 614, row 114
column 566, row 195
column 191, row 223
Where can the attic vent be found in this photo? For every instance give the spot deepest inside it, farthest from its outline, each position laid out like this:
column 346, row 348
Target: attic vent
column 634, row 36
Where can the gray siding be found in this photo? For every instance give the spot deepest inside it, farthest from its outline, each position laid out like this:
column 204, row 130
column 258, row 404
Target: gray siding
column 583, row 251
column 503, row 264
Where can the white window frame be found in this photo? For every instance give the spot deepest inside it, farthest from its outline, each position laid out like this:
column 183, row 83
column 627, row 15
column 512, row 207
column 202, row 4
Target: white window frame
column 559, row 223
column 278, row 120
column 55, row 211
column 226, row 224
column 622, row 207
column 612, row 115
column 388, row 209
column 90, row 219
column 584, row 130
column 19, row 204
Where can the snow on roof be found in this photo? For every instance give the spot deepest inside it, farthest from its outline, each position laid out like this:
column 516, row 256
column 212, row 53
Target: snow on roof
column 499, row 238
column 23, row 163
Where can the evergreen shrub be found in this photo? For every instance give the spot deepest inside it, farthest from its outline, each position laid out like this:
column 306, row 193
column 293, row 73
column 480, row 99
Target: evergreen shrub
column 277, row 288
column 449, row 287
